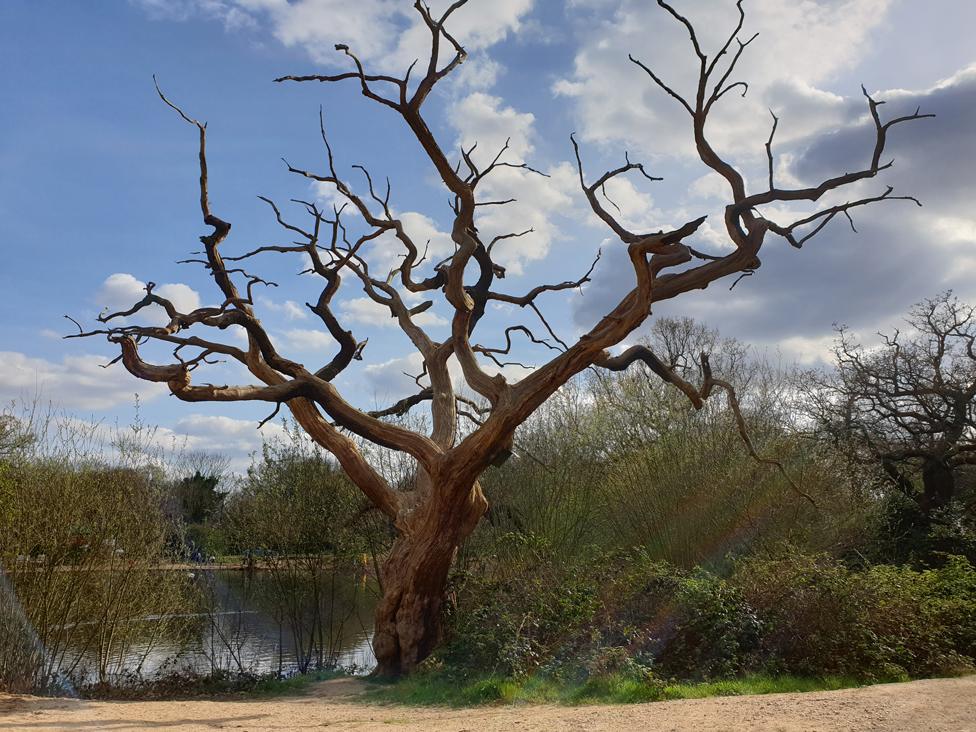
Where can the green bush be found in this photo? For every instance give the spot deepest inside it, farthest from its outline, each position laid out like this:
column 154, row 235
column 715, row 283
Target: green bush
column 820, row 617
column 625, row 618
column 509, row 622
column 812, row 610
column 714, row 632
column 952, row 603
column 902, row 533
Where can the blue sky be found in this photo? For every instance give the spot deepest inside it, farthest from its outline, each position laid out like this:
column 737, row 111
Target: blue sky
column 98, row 178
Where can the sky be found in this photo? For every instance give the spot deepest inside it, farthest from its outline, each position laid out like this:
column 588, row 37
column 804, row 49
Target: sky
column 98, row 179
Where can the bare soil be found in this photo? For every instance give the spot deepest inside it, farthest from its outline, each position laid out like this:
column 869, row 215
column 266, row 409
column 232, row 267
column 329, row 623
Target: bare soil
column 937, row 705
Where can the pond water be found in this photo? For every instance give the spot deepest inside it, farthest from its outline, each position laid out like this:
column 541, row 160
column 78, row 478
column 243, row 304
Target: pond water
column 257, row 622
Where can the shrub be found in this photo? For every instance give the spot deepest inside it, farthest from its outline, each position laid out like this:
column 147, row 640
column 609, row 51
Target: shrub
column 623, row 617
column 820, row 617
column 904, row 534
column 714, row 632
column 511, row 620
column 79, row 552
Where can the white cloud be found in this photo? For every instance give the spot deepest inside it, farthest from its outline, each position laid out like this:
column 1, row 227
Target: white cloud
column 539, row 200
column 481, row 25
column 808, row 351
column 290, row 309
column 183, row 297
column 953, row 229
column 77, row 382
column 900, row 254
column 478, row 73
column 390, row 379
column 477, row 26
column 539, row 203
column 235, row 438
column 710, row 187
column 388, row 33
column 631, row 207
column 484, row 119
column 120, row 291
column 365, row 311
column 955, row 238
column 386, row 252
column 306, row 340
column 799, row 46
column 327, row 194
column 317, row 25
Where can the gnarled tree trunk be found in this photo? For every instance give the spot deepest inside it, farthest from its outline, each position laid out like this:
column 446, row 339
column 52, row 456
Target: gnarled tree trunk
column 408, row 618
column 938, row 483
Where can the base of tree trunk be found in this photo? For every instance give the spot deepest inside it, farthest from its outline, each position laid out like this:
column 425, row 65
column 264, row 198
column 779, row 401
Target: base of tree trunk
column 408, row 622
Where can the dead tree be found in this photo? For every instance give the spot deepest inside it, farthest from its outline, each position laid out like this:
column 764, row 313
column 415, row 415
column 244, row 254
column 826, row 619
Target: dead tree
column 908, row 405
column 434, row 518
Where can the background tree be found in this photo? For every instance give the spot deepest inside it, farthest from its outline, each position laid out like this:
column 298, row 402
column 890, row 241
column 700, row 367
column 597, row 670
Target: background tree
column 198, row 497
column 82, row 535
column 295, row 501
column 298, row 518
column 446, row 502
column 620, row 460
column 910, row 403
column 908, row 406
column 193, row 503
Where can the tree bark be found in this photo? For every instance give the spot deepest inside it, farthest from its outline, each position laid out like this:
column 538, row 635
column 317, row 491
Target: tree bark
column 408, row 622
column 939, row 484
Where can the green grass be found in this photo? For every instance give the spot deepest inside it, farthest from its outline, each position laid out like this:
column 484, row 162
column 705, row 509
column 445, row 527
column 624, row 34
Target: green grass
column 439, row 690
column 759, row 684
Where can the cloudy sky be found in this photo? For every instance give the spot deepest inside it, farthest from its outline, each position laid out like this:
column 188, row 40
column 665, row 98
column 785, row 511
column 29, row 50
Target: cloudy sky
column 98, row 178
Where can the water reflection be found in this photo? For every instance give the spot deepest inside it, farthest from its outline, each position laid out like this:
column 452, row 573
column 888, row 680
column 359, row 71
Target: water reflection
column 254, row 622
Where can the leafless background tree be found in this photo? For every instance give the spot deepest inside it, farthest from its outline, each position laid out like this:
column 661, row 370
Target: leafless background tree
column 910, row 403
column 445, row 502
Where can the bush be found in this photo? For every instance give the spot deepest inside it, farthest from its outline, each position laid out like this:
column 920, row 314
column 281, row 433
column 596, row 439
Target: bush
column 80, row 544
column 623, row 617
column 904, row 534
column 509, row 622
column 812, row 611
column 820, row 617
column 714, row 633
column 952, row 603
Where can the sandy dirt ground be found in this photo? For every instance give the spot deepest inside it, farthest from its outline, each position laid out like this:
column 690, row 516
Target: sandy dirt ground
column 942, row 705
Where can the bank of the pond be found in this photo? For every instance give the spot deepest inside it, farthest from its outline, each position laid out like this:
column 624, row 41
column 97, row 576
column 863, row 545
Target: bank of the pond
column 935, row 705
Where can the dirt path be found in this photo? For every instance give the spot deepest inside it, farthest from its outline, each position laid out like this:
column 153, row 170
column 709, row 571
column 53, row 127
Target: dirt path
column 942, row 705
